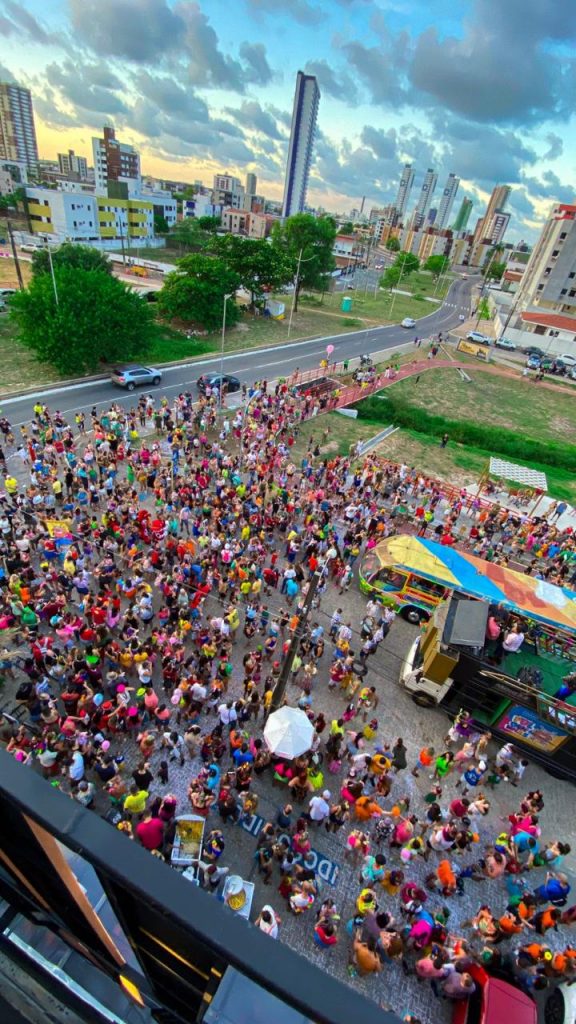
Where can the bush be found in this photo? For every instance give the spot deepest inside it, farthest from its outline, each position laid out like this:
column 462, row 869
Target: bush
column 418, row 298
column 496, row 440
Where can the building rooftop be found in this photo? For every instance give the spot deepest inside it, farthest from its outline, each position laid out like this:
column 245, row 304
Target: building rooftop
column 556, row 320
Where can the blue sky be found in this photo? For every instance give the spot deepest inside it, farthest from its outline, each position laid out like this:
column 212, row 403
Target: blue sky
column 484, row 88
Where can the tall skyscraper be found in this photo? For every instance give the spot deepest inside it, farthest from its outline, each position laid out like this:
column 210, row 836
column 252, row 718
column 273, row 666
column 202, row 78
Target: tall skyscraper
column 404, row 189
column 463, row 215
column 251, row 184
column 17, row 130
column 549, row 281
column 115, row 163
column 447, row 201
column 425, row 198
column 304, row 115
column 496, row 204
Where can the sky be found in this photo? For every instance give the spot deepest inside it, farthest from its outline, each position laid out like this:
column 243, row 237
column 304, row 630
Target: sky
column 483, row 88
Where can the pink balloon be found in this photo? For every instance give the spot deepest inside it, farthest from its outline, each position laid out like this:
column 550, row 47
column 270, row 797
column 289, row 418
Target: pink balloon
column 329, row 349
column 105, row 745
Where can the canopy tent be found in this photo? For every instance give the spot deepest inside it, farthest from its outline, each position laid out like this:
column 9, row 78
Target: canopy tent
column 288, row 732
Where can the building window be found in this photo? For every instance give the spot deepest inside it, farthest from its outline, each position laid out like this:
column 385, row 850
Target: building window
column 555, row 253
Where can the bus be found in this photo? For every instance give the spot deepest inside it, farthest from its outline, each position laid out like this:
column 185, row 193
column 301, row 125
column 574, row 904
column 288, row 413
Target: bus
column 526, row 697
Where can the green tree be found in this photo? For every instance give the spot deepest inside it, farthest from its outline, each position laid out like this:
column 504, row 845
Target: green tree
column 494, row 271
column 309, row 240
column 97, row 319
column 195, row 292
column 437, row 265
column 161, row 226
column 77, row 257
column 10, row 202
column 390, row 277
column 188, row 236
column 393, row 245
column 260, row 266
column 407, row 263
column 209, row 224
column 347, row 228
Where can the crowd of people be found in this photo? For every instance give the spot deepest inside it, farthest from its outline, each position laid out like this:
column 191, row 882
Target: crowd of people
column 155, row 565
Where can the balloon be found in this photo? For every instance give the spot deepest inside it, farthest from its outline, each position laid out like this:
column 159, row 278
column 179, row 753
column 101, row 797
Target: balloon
column 329, row 349
column 105, row 745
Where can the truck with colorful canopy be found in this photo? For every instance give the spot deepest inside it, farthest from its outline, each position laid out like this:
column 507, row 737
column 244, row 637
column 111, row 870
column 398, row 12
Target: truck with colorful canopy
column 525, row 696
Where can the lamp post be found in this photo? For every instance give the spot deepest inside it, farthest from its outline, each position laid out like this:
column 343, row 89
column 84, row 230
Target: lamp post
column 226, row 297
column 296, row 280
column 51, row 268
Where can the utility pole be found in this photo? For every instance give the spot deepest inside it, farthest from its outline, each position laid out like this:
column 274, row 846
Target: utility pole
column 15, row 254
column 280, row 688
column 52, row 270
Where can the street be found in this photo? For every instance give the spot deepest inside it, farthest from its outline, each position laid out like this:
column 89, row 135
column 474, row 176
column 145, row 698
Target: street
column 281, row 360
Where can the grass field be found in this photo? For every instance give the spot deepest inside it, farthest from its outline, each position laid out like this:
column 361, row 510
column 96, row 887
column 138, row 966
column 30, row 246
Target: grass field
column 385, row 306
column 519, row 404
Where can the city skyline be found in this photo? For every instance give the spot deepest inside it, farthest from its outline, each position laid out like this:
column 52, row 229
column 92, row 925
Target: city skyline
column 197, row 89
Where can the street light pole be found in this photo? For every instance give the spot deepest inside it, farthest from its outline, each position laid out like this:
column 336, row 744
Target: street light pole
column 226, row 297
column 295, row 292
column 52, row 271
column 280, row 688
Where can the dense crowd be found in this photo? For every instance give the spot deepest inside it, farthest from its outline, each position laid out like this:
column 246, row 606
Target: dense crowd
column 155, row 566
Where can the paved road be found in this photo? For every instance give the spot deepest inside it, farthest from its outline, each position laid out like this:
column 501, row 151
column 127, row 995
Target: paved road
column 280, row 360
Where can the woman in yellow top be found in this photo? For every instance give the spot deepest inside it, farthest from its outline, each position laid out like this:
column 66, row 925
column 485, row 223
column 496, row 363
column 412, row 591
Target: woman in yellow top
column 135, row 801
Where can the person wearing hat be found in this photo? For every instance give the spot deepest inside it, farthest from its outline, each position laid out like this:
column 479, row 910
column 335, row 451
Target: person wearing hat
column 319, row 808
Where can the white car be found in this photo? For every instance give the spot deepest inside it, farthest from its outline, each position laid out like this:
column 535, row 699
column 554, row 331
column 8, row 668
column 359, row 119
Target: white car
column 480, row 339
column 505, row 343
column 461, row 318
column 408, row 322
column 568, row 360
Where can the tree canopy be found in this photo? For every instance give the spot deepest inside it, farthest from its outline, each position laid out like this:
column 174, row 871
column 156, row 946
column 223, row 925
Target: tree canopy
column 76, row 257
column 393, row 244
column 407, row 262
column 347, row 228
column 390, row 277
column 495, row 271
column 195, row 292
column 188, row 236
column 96, row 319
column 311, row 239
column 437, row 264
column 209, row 223
column 259, row 265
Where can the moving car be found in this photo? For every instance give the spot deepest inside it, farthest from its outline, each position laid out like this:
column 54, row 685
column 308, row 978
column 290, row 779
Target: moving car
column 505, row 343
column 408, row 322
column 480, row 339
column 135, row 375
column 533, row 350
column 461, row 317
column 214, row 380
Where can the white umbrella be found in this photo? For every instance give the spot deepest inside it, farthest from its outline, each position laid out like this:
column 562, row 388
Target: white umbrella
column 288, row 732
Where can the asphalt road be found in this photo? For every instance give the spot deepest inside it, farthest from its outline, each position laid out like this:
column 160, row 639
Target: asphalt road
column 270, row 363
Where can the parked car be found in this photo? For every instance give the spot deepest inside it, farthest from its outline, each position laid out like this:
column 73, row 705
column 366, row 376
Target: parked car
column 504, row 343
column 533, row 362
column 7, row 293
column 533, row 350
column 134, row 375
column 568, row 360
column 478, row 338
column 408, row 322
column 495, row 1001
column 214, row 380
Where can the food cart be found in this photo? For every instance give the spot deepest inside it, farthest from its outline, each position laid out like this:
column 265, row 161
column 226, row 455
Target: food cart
column 187, row 847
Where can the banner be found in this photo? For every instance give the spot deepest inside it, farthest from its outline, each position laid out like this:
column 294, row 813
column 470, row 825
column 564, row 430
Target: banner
column 524, row 724
column 480, row 351
column 59, row 527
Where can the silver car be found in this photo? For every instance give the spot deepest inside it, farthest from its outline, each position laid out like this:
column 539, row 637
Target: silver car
column 133, row 376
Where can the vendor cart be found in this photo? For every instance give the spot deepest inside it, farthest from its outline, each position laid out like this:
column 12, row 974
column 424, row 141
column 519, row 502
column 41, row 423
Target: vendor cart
column 187, row 848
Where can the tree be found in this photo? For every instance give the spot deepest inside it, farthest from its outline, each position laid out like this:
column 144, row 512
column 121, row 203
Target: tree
column 310, row 240
column 347, row 228
column 209, row 224
column 260, row 266
column 393, row 245
column 390, row 277
column 437, row 265
column 495, row 271
column 97, row 319
column 407, row 263
column 76, row 257
column 195, row 292
column 188, row 235
column 161, row 226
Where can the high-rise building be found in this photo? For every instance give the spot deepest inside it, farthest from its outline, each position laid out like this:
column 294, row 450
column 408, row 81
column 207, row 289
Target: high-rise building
column 496, row 229
column 17, row 129
column 304, row 115
column 549, row 281
column 487, row 223
column 404, row 189
column 447, row 201
column 251, row 183
column 115, row 163
column 425, row 198
column 463, row 215
column 74, row 167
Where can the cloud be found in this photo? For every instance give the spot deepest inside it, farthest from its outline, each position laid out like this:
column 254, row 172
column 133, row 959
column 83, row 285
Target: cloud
column 500, row 69
column 78, row 84
column 550, row 187
column 170, row 97
column 252, row 116
column 483, row 153
column 137, row 30
column 258, row 70
column 379, row 69
column 383, row 144
column 207, row 65
column 302, row 11
column 333, row 83
column 556, row 147
column 48, row 109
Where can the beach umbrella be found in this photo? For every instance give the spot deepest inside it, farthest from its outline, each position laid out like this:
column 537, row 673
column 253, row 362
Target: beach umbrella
column 288, row 732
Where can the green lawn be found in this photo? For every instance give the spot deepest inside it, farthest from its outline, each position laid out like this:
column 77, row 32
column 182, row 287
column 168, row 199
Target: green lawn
column 519, row 404
column 386, row 306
